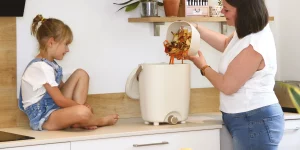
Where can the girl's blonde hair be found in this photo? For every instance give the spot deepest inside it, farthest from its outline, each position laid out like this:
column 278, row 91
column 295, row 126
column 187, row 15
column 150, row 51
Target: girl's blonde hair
column 43, row 29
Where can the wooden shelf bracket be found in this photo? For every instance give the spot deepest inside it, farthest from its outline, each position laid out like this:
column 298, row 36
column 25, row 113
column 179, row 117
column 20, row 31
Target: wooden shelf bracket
column 156, row 28
column 223, row 27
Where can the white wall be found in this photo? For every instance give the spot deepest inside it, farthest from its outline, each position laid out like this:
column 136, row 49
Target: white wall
column 274, row 10
column 105, row 44
column 289, row 40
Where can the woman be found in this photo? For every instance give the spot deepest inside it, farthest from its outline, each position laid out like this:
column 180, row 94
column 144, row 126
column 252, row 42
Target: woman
column 245, row 78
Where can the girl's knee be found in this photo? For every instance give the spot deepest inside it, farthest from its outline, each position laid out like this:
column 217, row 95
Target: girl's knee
column 82, row 73
column 83, row 113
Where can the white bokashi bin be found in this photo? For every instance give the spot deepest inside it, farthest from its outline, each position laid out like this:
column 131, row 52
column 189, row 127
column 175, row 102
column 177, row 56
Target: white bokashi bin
column 163, row 91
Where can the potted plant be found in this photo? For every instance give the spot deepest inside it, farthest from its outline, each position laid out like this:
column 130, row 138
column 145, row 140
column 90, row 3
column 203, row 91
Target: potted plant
column 221, row 7
column 149, row 7
column 220, row 3
column 171, row 7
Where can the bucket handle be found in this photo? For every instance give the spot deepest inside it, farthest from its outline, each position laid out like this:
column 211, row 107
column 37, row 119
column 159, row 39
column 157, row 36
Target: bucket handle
column 138, row 71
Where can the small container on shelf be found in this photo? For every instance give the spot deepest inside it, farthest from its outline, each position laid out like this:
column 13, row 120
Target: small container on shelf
column 215, row 11
column 194, row 8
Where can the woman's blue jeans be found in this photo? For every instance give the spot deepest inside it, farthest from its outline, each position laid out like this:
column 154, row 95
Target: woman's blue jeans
column 259, row 129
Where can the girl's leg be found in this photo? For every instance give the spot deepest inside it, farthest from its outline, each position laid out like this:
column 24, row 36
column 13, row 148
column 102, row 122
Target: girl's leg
column 79, row 115
column 76, row 87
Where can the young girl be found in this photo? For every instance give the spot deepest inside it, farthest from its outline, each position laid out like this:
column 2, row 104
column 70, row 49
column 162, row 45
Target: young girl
column 49, row 103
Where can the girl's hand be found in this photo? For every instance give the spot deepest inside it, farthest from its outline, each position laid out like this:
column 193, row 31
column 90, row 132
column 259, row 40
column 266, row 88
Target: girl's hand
column 199, row 61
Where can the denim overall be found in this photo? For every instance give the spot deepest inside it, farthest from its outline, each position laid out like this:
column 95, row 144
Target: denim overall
column 40, row 111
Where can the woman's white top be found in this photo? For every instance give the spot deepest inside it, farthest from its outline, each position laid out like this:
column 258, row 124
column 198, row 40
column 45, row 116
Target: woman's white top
column 33, row 79
column 258, row 90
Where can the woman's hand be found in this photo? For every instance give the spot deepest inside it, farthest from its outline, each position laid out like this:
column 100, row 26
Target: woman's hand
column 199, row 61
column 195, row 25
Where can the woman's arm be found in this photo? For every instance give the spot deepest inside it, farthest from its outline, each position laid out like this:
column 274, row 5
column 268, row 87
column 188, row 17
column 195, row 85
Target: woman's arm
column 239, row 71
column 58, row 97
column 214, row 39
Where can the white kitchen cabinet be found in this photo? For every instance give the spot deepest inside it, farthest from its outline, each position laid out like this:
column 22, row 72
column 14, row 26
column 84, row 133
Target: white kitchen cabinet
column 225, row 139
column 205, row 139
column 290, row 139
column 56, row 146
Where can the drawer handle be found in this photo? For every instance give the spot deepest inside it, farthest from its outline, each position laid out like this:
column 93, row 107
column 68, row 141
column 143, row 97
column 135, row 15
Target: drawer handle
column 294, row 129
column 150, row 144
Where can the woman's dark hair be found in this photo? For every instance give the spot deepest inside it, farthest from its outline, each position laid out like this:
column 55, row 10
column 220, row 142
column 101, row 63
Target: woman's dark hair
column 251, row 17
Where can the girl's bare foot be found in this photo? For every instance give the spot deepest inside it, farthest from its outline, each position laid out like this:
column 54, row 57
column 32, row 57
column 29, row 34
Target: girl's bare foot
column 91, row 109
column 88, row 128
column 91, row 128
column 109, row 120
column 105, row 121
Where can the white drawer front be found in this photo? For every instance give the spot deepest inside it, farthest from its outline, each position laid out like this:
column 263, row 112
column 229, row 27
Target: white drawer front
column 56, row 146
column 291, row 137
column 206, row 139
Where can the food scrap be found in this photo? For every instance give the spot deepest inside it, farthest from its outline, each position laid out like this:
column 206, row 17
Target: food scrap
column 179, row 46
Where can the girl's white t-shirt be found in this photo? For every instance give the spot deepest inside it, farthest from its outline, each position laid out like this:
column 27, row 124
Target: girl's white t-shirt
column 258, row 90
column 33, row 79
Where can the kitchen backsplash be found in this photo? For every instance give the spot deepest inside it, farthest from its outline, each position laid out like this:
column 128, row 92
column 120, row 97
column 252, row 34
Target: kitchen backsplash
column 8, row 103
column 202, row 100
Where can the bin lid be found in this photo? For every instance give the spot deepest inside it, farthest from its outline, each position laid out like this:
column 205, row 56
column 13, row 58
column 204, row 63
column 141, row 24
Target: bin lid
column 132, row 85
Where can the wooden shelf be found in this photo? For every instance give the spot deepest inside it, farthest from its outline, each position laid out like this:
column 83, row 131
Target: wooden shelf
column 189, row 19
column 172, row 19
column 157, row 21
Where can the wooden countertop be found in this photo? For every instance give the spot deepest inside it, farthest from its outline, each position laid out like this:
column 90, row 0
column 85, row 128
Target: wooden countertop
column 124, row 128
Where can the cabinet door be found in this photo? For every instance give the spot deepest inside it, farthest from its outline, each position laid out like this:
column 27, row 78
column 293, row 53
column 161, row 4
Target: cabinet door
column 291, row 137
column 206, row 139
column 226, row 139
column 56, row 146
